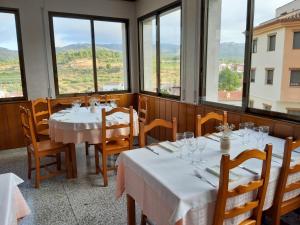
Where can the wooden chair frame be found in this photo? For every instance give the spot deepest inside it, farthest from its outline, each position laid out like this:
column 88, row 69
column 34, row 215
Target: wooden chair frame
column 117, row 141
column 256, row 206
column 144, row 129
column 212, row 115
column 280, row 207
column 143, row 111
column 41, row 149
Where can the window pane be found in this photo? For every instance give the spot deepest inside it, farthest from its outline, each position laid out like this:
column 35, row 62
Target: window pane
column 10, row 74
column 252, row 75
column 170, row 39
column 272, row 43
column 296, row 40
column 273, row 88
column 225, row 51
column 254, row 46
column 149, row 55
column 73, row 55
column 295, row 78
column 110, row 39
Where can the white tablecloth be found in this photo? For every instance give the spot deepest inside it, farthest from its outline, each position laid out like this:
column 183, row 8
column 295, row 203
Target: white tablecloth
column 166, row 189
column 12, row 203
column 70, row 126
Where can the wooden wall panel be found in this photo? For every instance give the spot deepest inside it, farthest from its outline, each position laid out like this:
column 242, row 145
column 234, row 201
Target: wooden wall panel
column 162, row 115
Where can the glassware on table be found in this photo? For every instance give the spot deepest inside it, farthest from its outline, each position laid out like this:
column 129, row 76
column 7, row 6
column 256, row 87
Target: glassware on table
column 201, row 144
column 113, row 103
column 257, row 135
column 264, row 131
column 242, row 132
column 180, row 141
column 76, row 105
column 249, row 128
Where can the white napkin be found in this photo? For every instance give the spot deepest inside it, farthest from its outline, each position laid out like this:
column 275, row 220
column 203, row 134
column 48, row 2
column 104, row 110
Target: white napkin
column 168, row 146
column 215, row 170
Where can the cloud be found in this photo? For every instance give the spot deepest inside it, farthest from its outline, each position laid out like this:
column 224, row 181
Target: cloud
column 8, row 37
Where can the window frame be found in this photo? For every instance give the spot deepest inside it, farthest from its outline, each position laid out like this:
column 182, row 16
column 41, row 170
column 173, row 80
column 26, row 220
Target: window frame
column 92, row 19
column 294, row 32
column 290, row 84
column 253, row 78
column 269, row 42
column 247, row 67
column 20, row 56
column 267, row 76
column 156, row 14
column 254, row 45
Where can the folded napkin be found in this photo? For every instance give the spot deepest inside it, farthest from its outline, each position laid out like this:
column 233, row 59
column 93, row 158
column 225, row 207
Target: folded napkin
column 280, row 156
column 168, row 146
column 215, row 170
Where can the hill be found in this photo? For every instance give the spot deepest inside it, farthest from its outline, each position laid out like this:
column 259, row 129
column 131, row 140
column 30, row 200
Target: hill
column 6, row 54
column 232, row 51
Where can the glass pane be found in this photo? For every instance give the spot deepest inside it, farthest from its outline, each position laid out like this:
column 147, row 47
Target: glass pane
column 225, row 51
column 296, row 40
column 110, row 40
column 10, row 75
column 295, row 78
column 149, row 55
column 275, row 91
column 272, row 43
column 73, row 55
column 170, row 41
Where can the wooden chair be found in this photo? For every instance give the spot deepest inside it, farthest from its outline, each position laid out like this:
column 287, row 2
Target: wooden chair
column 256, row 205
column 144, row 129
column 280, row 206
column 143, row 109
column 41, row 111
column 113, row 144
column 60, row 104
column 212, row 115
column 41, row 149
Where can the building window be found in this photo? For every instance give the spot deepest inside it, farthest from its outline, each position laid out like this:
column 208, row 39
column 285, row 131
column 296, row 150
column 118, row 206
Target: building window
column 91, row 56
column 271, row 42
column 252, row 75
column 296, row 42
column 12, row 73
column 225, row 51
column 269, row 76
column 254, row 46
column 161, row 51
column 295, row 78
column 267, row 107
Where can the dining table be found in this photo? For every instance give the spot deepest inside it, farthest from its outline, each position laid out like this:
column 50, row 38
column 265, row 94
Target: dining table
column 83, row 125
column 173, row 185
column 13, row 206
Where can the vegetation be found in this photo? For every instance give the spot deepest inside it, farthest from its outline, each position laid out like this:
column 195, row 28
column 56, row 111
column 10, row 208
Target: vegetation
column 229, row 80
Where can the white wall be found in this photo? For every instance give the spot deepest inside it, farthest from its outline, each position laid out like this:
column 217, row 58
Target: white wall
column 36, row 47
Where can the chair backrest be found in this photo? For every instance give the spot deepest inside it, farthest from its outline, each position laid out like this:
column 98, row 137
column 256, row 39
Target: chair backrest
column 144, row 129
column 113, row 129
column 260, row 185
column 282, row 187
column 212, row 115
column 41, row 109
column 27, row 127
column 67, row 102
column 143, row 109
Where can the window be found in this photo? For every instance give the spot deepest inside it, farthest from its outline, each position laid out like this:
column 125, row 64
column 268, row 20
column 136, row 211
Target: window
column 295, row 78
column 225, row 44
column 296, row 42
column 254, row 46
column 91, row 56
column 252, row 75
column 271, row 43
column 161, row 51
column 269, row 76
column 12, row 75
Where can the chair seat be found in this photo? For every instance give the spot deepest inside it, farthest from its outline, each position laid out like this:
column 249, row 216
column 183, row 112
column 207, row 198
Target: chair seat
column 116, row 145
column 44, row 132
column 48, row 146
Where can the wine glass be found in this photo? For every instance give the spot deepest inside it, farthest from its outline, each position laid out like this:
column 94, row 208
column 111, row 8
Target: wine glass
column 264, row 131
column 201, row 144
column 257, row 135
column 180, row 141
column 242, row 132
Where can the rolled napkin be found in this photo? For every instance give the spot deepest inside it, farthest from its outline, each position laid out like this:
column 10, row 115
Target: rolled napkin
column 168, row 146
column 215, row 170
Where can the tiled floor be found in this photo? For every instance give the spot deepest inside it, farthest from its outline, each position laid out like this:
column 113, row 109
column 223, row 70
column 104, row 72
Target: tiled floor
column 81, row 201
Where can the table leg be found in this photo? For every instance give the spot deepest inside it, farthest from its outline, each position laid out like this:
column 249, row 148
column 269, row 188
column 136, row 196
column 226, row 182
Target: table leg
column 73, row 160
column 130, row 210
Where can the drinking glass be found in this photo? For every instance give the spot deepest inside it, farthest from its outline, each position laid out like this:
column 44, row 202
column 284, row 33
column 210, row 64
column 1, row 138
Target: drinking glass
column 201, row 144
column 242, row 132
column 264, row 131
column 249, row 128
column 257, row 136
column 180, row 141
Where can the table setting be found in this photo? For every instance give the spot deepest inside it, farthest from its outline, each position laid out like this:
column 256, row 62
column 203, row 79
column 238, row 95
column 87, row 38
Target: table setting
column 179, row 180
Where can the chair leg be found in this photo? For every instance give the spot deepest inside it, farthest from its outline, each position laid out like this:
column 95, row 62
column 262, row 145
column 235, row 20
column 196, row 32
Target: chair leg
column 58, row 161
column 104, row 169
column 29, row 164
column 86, row 148
column 37, row 172
column 97, row 160
column 67, row 162
column 143, row 219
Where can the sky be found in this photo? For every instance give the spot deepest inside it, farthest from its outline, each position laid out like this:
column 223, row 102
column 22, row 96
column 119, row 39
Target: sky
column 70, row 31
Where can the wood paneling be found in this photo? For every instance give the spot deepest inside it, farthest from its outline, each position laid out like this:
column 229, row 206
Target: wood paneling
column 11, row 134
column 186, row 113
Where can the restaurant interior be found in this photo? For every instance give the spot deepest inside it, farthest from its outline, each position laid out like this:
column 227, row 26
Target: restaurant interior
column 161, row 112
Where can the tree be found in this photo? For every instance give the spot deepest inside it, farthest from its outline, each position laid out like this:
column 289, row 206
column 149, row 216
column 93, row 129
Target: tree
column 229, row 80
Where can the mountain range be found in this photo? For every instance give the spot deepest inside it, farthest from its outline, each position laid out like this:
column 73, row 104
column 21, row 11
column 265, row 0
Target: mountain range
column 228, row 50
